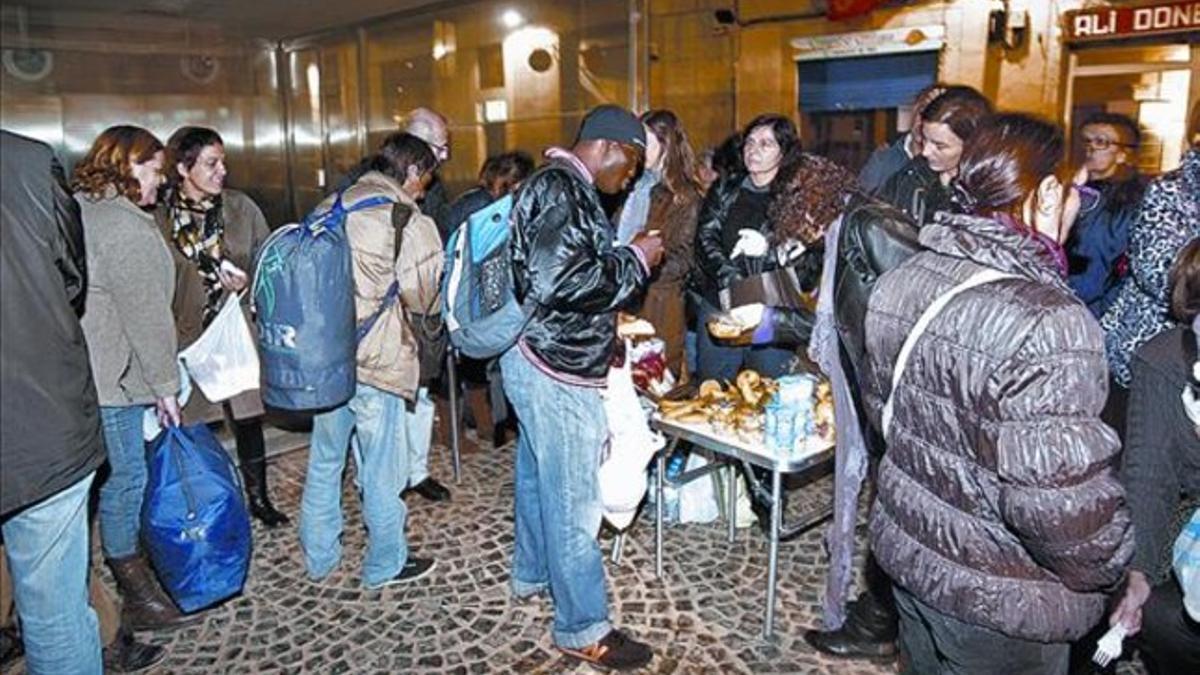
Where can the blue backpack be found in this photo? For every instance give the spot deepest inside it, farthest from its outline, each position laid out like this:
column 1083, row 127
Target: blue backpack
column 304, row 306
column 194, row 522
column 479, row 305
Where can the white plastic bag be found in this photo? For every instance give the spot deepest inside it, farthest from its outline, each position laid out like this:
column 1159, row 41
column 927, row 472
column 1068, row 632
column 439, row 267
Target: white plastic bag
column 698, row 499
column 631, row 446
column 224, row 361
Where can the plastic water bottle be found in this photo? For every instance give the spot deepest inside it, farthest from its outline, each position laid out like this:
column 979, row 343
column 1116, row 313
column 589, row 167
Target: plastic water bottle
column 675, row 465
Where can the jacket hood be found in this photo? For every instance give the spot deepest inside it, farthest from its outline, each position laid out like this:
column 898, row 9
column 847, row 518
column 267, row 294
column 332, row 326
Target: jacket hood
column 992, row 243
column 379, row 184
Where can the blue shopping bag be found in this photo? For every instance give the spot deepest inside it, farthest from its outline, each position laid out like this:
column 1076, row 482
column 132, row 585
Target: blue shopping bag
column 194, row 520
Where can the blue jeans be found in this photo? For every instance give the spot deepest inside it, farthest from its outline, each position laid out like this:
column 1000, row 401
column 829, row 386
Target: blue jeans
column 122, row 492
column 562, row 430
column 716, row 361
column 377, row 423
column 420, row 437
column 47, row 549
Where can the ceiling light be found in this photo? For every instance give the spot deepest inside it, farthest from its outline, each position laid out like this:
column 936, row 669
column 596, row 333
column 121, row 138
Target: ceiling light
column 512, row 18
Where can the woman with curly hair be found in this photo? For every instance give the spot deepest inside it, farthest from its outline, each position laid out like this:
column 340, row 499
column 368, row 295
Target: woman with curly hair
column 131, row 345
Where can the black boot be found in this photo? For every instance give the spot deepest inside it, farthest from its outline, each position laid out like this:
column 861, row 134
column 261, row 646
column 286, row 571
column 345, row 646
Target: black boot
column 252, row 456
column 872, row 623
column 126, row 655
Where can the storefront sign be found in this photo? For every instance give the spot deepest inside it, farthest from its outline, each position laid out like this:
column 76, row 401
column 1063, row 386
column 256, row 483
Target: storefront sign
column 869, row 43
column 1106, row 23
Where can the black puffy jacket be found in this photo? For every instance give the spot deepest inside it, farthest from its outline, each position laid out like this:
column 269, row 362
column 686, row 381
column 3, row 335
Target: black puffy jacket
column 564, row 261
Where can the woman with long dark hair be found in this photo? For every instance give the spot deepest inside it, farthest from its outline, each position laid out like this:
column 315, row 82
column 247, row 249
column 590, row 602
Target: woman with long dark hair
column 922, row 188
column 214, row 233
column 998, row 517
column 666, row 199
column 732, row 240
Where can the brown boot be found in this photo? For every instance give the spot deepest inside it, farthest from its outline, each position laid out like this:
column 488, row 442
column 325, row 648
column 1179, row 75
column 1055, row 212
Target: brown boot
column 145, row 604
column 481, row 410
column 442, row 421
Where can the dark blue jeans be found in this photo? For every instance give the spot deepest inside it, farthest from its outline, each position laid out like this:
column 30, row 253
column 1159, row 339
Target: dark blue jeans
column 933, row 643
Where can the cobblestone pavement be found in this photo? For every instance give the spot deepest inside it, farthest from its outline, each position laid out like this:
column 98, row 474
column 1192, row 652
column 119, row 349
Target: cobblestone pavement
column 704, row 616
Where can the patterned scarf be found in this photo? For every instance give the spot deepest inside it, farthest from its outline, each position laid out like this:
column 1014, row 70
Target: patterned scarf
column 198, row 231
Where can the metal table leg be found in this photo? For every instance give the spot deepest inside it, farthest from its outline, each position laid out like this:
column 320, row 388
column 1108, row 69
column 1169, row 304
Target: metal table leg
column 618, row 544
column 455, row 416
column 731, row 499
column 773, row 554
column 660, row 464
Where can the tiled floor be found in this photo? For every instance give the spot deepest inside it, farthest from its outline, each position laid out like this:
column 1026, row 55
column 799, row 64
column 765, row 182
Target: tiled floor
column 704, row 616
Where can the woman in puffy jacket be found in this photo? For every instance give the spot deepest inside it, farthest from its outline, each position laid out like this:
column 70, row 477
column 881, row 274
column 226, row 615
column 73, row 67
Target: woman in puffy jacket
column 998, row 516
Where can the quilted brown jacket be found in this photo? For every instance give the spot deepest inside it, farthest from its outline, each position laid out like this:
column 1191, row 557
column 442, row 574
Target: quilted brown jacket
column 998, row 504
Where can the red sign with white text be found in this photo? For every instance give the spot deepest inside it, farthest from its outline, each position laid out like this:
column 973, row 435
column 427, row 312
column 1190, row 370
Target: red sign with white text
column 1106, row 23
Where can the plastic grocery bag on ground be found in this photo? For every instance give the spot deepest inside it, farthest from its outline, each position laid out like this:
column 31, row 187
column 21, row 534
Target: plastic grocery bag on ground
column 194, row 521
column 631, row 446
column 698, row 499
column 224, row 359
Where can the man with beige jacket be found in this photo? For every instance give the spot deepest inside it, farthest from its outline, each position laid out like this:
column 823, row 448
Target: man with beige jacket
column 397, row 261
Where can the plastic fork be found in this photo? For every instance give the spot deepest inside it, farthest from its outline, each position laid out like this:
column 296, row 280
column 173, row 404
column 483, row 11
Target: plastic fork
column 1108, row 649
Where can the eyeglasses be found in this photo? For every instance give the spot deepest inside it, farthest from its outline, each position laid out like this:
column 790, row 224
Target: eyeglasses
column 1102, row 143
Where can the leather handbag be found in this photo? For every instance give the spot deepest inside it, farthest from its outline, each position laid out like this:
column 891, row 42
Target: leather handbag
column 776, row 288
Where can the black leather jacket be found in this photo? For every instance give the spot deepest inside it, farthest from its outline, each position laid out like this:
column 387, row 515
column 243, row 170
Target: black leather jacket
column 917, row 191
column 714, row 270
column 875, row 237
column 564, row 261
column 51, row 436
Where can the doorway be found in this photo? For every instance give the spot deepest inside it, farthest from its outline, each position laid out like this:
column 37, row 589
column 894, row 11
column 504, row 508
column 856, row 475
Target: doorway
column 1153, row 84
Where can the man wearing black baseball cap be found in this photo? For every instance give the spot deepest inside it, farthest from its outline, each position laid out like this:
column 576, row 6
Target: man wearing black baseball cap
column 572, row 280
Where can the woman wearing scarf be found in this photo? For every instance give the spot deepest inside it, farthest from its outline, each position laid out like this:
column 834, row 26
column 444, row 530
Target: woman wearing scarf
column 214, row 234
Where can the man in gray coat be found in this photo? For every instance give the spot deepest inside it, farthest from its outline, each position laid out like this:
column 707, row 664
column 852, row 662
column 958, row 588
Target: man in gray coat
column 50, row 443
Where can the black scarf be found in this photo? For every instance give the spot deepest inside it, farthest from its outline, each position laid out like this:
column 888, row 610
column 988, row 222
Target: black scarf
column 198, row 230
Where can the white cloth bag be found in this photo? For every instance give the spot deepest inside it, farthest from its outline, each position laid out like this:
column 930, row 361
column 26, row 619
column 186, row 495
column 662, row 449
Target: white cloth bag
column 631, row 446
column 224, row 360
column 698, row 499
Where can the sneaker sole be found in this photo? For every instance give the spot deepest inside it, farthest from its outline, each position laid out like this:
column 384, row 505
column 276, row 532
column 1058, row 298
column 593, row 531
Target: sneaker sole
column 400, row 582
column 600, row 664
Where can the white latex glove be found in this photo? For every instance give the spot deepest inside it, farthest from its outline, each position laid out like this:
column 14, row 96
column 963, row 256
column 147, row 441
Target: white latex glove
column 748, row 315
column 751, row 243
column 789, row 251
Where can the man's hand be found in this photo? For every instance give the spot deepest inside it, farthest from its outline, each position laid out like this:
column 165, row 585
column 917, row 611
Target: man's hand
column 1129, row 609
column 651, row 246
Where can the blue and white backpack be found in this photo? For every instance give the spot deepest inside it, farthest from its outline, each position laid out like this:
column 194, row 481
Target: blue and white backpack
column 303, row 296
column 479, row 304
